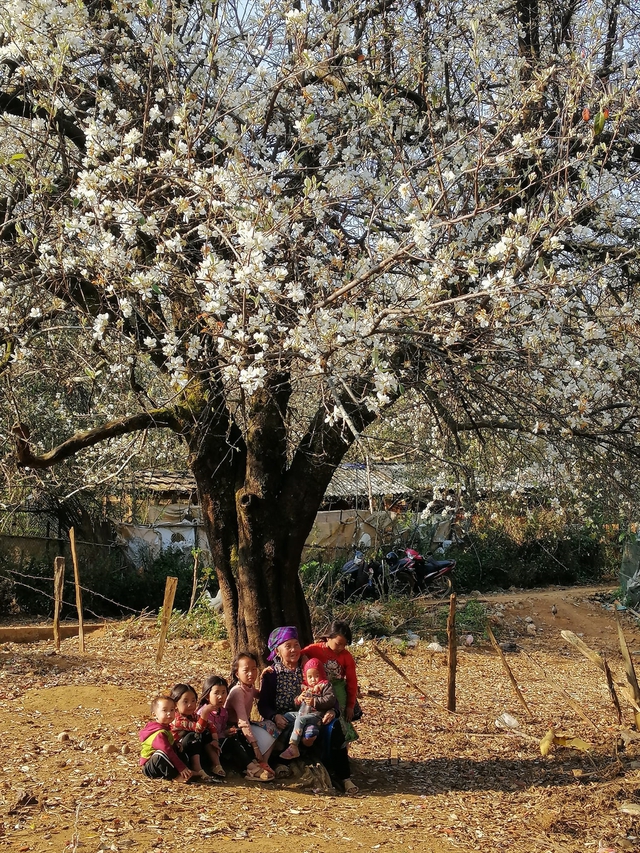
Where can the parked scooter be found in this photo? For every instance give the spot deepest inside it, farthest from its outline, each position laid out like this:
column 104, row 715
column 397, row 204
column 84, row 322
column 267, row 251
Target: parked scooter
column 362, row 577
column 416, row 574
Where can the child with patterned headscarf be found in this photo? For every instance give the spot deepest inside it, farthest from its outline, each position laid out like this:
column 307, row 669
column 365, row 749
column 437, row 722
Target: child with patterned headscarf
column 317, row 696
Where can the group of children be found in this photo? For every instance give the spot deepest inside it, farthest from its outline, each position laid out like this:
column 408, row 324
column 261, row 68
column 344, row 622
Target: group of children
column 201, row 737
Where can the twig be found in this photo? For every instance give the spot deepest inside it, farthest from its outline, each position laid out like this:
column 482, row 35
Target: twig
column 507, row 669
column 405, row 678
column 567, row 697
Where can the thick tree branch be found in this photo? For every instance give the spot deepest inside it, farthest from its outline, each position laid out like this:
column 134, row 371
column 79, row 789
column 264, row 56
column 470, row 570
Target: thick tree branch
column 13, row 105
column 158, row 419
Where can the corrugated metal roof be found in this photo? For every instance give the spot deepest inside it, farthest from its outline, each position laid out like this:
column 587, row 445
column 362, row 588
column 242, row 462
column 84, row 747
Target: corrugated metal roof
column 351, row 480
column 181, row 482
column 348, row 481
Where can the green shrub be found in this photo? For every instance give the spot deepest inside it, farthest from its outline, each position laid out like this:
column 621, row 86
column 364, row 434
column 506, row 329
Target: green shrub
column 532, row 550
column 201, row 623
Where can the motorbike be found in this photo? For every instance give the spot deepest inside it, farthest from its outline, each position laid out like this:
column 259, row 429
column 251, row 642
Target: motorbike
column 361, row 577
column 416, row 574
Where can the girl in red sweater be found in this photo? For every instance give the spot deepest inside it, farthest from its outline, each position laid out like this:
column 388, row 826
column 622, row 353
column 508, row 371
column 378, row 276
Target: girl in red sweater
column 341, row 669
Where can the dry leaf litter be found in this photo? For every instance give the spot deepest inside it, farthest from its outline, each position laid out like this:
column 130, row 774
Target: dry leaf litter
column 429, row 780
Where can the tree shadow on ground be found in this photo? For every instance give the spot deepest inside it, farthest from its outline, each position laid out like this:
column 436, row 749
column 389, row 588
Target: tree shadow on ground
column 442, row 775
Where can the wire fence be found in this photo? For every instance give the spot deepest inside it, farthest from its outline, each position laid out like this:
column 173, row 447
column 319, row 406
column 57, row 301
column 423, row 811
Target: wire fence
column 40, row 524
column 14, row 573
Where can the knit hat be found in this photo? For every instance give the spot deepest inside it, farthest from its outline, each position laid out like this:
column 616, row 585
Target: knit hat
column 315, row 663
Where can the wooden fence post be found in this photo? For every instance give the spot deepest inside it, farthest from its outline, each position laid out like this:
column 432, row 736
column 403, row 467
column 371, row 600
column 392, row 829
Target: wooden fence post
column 453, row 653
column 58, row 588
column 194, row 588
column 167, row 607
column 76, row 577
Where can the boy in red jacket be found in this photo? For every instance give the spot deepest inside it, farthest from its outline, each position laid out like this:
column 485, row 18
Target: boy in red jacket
column 159, row 758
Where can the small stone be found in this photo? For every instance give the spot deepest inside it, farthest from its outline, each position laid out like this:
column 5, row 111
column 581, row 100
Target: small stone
column 531, row 629
column 528, row 620
column 109, row 748
column 63, row 736
column 124, row 749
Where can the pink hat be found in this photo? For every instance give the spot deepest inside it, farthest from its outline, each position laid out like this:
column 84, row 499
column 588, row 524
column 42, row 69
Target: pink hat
column 315, row 663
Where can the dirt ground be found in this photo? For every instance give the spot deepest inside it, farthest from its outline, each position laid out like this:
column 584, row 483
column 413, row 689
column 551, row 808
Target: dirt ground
column 430, row 781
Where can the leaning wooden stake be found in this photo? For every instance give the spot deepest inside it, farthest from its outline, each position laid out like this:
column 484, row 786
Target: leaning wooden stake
column 612, row 689
column 404, row 677
column 453, row 654
column 76, row 577
column 507, row 669
column 58, row 588
column 596, row 659
column 566, row 696
column 629, row 670
column 167, row 607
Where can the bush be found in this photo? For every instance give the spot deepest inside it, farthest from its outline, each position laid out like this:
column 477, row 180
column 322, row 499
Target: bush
column 202, row 623
column 531, row 550
column 470, row 619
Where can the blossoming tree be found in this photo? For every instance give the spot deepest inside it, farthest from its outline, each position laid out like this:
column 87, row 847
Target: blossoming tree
column 258, row 224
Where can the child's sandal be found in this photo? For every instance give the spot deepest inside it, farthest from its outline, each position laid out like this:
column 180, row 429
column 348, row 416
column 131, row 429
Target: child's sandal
column 290, row 753
column 201, row 776
column 259, row 775
column 349, row 788
column 219, row 771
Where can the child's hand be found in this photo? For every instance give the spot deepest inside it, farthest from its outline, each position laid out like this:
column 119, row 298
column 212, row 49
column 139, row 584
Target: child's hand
column 205, row 711
column 186, row 774
column 232, row 730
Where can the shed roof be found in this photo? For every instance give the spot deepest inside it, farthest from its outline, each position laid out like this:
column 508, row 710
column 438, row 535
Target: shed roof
column 352, row 479
column 348, row 480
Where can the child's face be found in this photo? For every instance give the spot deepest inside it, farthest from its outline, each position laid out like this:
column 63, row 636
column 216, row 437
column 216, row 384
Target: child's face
column 247, row 671
column 186, row 704
column 313, row 677
column 218, row 696
column 165, row 712
column 337, row 644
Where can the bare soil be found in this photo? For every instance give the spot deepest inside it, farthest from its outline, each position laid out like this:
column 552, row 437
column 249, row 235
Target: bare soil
column 430, row 781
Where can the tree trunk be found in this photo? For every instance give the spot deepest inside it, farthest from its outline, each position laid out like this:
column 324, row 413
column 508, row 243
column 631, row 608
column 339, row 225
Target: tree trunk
column 258, row 507
column 256, row 567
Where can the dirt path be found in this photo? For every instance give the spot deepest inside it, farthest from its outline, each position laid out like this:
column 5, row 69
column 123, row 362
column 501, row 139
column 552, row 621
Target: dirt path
column 460, row 784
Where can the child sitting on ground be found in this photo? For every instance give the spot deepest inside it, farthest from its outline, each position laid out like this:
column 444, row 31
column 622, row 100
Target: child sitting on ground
column 191, row 728
column 234, row 754
column 341, row 669
column 257, row 738
column 159, row 758
column 317, row 696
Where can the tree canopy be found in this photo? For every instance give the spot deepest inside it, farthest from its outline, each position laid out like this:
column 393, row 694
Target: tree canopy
column 260, row 224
